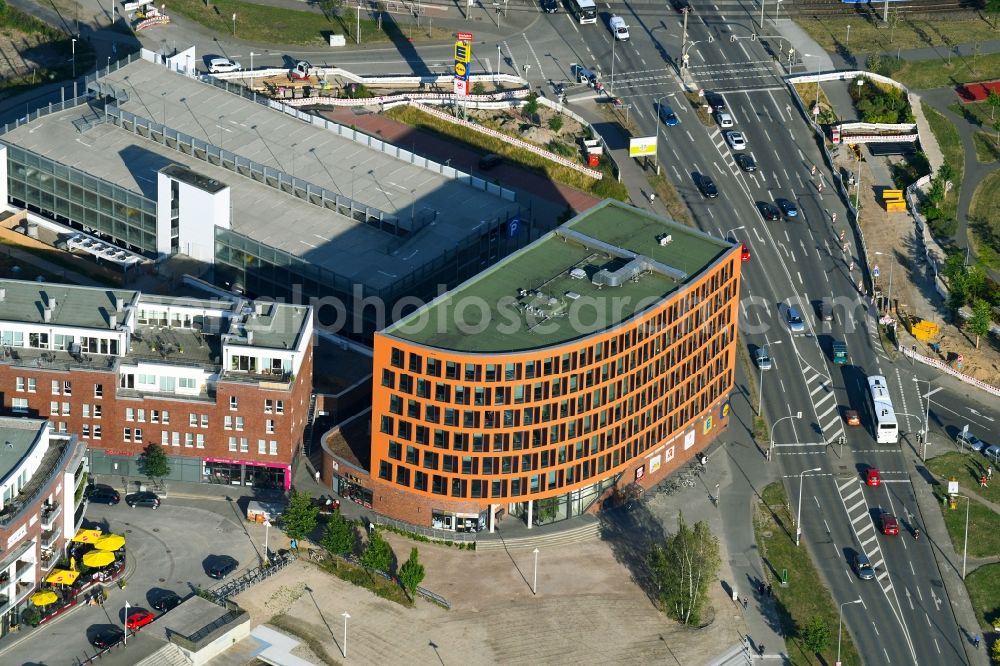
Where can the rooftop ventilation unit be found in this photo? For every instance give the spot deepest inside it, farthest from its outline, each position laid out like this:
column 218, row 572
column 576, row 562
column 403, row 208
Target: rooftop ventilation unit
column 578, row 274
column 572, row 295
column 664, row 239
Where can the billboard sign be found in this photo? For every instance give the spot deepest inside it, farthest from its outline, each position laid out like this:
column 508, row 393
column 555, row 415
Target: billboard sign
column 640, row 146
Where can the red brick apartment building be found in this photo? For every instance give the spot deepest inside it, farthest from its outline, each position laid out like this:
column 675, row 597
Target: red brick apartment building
column 599, row 357
column 222, row 385
column 41, row 492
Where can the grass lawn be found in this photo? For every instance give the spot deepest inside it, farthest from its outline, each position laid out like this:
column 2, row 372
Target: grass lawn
column 866, row 37
column 806, row 595
column 987, row 147
column 984, row 215
column 984, row 590
column 954, row 154
column 965, row 468
column 807, row 93
column 977, row 113
column 984, row 525
column 278, row 25
column 940, row 73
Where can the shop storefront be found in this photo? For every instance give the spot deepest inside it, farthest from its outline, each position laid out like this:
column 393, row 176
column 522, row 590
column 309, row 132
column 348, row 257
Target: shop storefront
column 246, row 473
column 458, row 522
column 349, row 487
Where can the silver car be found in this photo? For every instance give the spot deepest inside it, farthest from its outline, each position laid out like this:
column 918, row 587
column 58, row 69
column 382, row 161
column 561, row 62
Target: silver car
column 863, row 567
column 736, row 140
column 966, row 438
column 763, row 358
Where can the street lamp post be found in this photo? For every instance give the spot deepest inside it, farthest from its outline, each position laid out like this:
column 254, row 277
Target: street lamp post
column 346, row 617
column 125, row 622
column 760, row 393
column 267, row 528
column 927, row 414
column 731, row 231
column 796, row 415
column 234, row 24
column 73, row 45
column 614, row 40
column 534, row 579
column 840, row 629
column 965, row 548
column 798, row 516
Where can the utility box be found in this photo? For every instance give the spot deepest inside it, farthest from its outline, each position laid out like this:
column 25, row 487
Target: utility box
column 338, row 40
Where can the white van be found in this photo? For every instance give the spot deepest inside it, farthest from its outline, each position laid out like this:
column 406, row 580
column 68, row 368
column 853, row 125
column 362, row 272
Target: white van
column 216, row 65
column 618, row 28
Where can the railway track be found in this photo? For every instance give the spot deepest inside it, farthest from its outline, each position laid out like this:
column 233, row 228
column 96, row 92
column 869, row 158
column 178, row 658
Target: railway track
column 828, row 8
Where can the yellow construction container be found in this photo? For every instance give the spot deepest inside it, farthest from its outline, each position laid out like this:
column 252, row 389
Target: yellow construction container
column 892, row 195
column 925, row 330
column 895, row 206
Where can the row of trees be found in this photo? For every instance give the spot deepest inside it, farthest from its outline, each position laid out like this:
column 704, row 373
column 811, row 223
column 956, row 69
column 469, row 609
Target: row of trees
column 967, row 285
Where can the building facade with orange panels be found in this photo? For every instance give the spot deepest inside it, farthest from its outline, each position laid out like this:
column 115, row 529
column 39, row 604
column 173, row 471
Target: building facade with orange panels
column 598, row 357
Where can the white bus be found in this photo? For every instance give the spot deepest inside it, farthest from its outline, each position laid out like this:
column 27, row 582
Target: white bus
column 883, row 416
column 585, row 10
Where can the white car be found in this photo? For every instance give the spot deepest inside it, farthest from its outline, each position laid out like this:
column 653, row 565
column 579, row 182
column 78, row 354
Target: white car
column 763, row 358
column 217, row 65
column 736, row 140
column 618, row 28
column 724, row 119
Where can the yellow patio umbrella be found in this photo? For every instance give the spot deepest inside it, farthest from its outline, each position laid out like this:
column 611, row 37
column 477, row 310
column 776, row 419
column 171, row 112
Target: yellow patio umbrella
column 98, row 558
column 87, row 536
column 110, row 542
column 44, row 598
column 62, row 577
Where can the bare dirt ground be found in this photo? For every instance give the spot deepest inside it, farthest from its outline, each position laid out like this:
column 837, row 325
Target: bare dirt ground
column 587, row 611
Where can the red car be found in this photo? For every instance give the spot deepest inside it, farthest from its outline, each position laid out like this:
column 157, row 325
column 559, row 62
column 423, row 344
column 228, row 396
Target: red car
column 890, row 526
column 852, row 418
column 872, row 478
column 745, row 252
column 139, row 618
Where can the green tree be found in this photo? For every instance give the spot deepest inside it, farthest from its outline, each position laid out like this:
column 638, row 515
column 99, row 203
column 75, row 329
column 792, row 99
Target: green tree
column 954, row 267
column 993, row 8
column 378, row 553
column 153, row 463
column 816, row 635
column 530, row 106
column 340, row 536
column 979, row 324
column 996, row 652
column 555, row 123
column 300, row 517
column 411, row 574
column 683, row 567
column 478, row 88
column 957, row 294
column 994, row 101
column 975, row 282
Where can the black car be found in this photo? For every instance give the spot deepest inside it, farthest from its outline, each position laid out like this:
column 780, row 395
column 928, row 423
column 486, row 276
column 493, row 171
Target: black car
column 768, row 211
column 707, row 187
column 222, row 567
column 863, row 567
column 681, row 5
column 550, row 6
column 100, row 493
column 167, row 601
column 143, row 499
column 487, row 162
column 107, row 637
column 746, row 162
column 715, row 101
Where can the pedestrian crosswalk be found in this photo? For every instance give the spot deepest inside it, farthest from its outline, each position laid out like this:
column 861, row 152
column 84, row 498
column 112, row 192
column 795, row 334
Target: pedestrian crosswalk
column 824, row 401
column 859, row 515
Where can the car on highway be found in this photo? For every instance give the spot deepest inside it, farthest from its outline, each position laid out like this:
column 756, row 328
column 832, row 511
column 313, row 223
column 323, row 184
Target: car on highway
column 707, row 187
column 724, row 119
column 825, row 310
column 863, row 567
column 763, row 358
column 618, row 28
column 139, row 618
column 219, row 65
column 745, row 162
column 716, row 101
column 100, row 493
column 890, row 526
column 744, row 253
column 144, row 498
column 107, row 637
column 872, row 478
column 668, row 116
column 966, row 438
column 222, row 567
column 768, row 211
column 736, row 140
column 788, row 207
column 167, row 601
column 550, row 6
column 852, row 418
column 794, row 319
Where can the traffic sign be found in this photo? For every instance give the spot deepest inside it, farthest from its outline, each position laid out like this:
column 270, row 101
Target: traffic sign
column 461, row 86
column 464, row 36
column 875, row 270
column 462, row 52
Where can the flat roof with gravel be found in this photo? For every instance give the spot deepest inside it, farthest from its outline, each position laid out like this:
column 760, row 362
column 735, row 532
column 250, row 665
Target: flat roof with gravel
column 17, row 437
column 277, row 140
column 594, row 272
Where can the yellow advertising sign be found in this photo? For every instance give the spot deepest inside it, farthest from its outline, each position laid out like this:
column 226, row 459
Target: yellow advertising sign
column 463, row 52
column 461, row 69
column 643, row 145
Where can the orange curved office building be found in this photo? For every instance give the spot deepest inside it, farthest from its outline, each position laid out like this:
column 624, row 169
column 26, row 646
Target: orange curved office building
column 599, row 356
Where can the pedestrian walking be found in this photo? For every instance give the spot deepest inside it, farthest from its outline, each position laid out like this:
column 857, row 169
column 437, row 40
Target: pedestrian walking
column 982, row 481
column 652, row 197
column 976, row 640
column 989, row 473
column 744, row 603
column 760, row 649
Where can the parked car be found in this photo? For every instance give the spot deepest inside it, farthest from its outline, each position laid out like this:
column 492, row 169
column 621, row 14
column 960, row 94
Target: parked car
column 768, row 211
column 222, row 567
column 788, row 207
column 167, row 601
column 707, row 187
column 763, row 358
column 993, row 453
column 863, row 567
column 890, row 526
column 143, row 499
column 107, row 637
column 139, row 618
column 487, row 162
column 744, row 253
column 218, row 65
column 618, row 28
column 966, row 438
column 724, row 119
column 736, row 140
column 794, row 319
column 668, row 116
column 102, row 494
column 745, row 162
